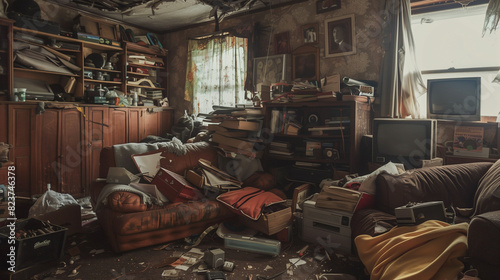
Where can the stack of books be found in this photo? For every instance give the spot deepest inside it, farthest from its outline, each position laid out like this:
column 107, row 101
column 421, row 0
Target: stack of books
column 154, row 94
column 237, row 131
column 280, row 148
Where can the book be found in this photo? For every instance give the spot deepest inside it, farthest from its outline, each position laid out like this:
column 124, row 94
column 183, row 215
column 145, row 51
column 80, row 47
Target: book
column 233, row 142
column 338, row 198
column 359, row 98
column 281, row 153
column 241, row 124
column 233, row 133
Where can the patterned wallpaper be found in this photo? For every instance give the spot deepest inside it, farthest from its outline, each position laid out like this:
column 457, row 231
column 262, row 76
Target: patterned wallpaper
column 364, row 64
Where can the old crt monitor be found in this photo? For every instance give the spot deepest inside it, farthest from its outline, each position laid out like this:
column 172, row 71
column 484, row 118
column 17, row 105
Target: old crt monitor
column 454, row 99
column 406, row 141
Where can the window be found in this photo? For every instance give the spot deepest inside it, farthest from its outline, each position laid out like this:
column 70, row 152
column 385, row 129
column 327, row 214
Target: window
column 449, row 44
column 216, row 72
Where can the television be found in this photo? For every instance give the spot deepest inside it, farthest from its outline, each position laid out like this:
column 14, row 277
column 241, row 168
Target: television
column 454, row 99
column 406, row 141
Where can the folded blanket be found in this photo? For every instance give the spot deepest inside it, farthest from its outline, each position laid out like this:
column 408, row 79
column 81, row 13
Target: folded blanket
column 426, row 251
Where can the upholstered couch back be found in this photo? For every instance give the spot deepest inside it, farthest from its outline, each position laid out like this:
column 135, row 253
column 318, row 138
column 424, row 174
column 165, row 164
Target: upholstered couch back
column 453, row 184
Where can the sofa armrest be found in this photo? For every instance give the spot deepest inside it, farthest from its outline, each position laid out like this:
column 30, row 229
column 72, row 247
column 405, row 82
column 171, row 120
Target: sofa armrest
column 121, row 201
column 483, row 248
column 126, row 202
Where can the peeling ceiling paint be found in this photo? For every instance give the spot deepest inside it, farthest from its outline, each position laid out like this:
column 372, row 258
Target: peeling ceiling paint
column 166, row 15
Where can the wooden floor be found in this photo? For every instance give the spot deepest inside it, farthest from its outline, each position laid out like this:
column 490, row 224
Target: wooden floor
column 93, row 259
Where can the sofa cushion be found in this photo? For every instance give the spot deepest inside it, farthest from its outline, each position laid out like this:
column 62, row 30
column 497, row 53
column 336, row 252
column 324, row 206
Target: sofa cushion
column 194, row 152
column 487, row 196
column 453, row 184
column 249, row 201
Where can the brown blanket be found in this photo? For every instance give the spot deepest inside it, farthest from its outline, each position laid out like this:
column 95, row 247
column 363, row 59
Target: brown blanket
column 426, row 251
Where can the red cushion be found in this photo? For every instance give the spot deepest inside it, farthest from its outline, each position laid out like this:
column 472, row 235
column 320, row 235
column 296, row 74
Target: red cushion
column 249, row 201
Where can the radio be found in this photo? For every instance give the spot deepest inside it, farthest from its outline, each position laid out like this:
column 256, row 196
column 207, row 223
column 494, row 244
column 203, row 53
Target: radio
column 417, row 213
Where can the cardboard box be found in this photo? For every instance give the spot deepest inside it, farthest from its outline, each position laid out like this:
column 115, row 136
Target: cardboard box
column 175, row 187
column 37, row 249
column 270, row 223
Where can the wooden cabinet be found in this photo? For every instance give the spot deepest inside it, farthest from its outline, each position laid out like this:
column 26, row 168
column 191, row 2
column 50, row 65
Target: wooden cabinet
column 61, row 146
column 345, row 143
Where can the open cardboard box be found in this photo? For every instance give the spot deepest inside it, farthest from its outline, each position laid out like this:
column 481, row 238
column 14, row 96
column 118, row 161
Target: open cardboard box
column 270, row 223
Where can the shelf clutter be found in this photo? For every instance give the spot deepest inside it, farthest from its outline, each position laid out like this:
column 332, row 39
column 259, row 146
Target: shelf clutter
column 94, row 63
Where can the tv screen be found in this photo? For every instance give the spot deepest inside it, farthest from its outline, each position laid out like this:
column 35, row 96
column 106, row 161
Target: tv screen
column 407, row 141
column 454, row 98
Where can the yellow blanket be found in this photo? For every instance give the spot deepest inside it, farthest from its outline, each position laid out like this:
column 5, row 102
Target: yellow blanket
column 426, row 251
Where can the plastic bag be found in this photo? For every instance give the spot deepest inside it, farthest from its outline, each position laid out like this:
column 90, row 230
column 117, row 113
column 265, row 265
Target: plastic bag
column 50, row 201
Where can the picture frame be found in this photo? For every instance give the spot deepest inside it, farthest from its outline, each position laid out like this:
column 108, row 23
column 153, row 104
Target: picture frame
column 271, row 69
column 323, row 6
column 282, row 43
column 305, row 63
column 310, row 33
column 340, row 37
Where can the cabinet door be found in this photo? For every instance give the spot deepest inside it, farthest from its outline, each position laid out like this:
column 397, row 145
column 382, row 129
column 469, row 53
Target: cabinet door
column 97, row 137
column 21, row 137
column 118, row 121
column 48, row 165
column 72, row 153
column 135, row 125
column 151, row 123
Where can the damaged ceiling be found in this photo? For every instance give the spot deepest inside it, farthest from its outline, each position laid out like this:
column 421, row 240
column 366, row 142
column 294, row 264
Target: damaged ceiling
column 165, row 15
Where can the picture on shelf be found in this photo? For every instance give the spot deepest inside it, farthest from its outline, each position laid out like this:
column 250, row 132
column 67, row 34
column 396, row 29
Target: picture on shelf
column 271, row 69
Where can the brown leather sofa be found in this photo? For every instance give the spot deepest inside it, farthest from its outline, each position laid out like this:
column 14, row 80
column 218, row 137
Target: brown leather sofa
column 130, row 224
column 473, row 189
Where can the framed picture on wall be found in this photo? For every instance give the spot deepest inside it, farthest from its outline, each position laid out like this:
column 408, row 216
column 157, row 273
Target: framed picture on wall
column 282, row 43
column 323, row 6
column 310, row 33
column 340, row 38
column 271, row 69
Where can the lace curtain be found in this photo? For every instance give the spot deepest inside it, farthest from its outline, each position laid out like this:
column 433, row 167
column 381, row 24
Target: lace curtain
column 216, row 72
column 401, row 80
column 492, row 16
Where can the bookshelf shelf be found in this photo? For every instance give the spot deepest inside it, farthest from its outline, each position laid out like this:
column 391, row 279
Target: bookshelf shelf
column 337, row 149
